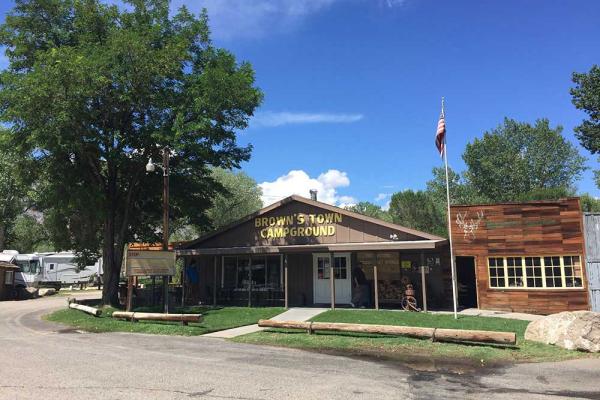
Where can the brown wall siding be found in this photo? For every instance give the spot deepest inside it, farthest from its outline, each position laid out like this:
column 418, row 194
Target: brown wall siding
column 300, row 279
column 532, row 229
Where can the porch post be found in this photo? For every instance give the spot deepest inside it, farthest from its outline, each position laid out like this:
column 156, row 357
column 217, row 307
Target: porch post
column 250, row 282
column 376, row 286
column 423, row 283
column 183, row 285
column 285, row 280
column 129, row 293
column 215, row 281
column 332, row 280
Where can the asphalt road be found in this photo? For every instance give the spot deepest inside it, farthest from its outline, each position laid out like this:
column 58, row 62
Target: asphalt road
column 41, row 360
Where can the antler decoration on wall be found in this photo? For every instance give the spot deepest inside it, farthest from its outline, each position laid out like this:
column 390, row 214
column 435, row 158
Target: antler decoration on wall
column 469, row 227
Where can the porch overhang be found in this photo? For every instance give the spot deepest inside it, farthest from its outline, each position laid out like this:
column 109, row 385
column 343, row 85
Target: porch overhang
column 333, row 247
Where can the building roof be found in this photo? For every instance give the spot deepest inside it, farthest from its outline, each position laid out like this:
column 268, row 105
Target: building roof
column 325, row 206
column 6, row 265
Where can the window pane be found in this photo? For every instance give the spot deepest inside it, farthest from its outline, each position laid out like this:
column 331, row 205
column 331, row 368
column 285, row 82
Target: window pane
column 274, row 271
column 258, row 271
column 341, row 268
column 496, row 272
column 323, row 267
column 519, row 262
column 229, row 272
column 243, row 272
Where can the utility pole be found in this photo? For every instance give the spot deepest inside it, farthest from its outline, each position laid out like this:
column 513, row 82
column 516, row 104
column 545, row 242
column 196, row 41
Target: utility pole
column 166, row 156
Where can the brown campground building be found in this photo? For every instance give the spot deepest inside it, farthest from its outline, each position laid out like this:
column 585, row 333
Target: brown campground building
column 526, row 257
column 281, row 255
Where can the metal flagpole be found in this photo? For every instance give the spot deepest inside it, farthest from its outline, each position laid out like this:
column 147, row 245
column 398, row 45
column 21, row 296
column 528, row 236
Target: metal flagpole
column 452, row 265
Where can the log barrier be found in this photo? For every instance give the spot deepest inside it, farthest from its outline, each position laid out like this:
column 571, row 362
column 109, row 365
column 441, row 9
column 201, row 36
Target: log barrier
column 435, row 334
column 137, row 316
column 87, row 309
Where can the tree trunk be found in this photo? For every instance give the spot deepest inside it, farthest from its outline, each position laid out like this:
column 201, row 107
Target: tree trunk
column 110, row 265
column 115, row 234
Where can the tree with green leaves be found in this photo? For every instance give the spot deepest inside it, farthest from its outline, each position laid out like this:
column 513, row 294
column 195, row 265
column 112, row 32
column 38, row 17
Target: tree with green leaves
column 418, row 210
column 586, row 97
column 14, row 189
column 238, row 195
column 371, row 210
column 29, row 235
column 461, row 191
column 589, row 203
column 94, row 90
column 518, row 160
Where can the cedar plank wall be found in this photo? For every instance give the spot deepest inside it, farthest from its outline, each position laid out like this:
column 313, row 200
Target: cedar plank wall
column 527, row 229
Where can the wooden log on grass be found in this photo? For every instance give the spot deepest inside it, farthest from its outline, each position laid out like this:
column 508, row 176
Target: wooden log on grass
column 137, row 316
column 87, row 309
column 466, row 335
column 436, row 334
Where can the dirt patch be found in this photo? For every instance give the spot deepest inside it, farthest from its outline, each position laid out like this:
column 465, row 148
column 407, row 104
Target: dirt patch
column 420, row 363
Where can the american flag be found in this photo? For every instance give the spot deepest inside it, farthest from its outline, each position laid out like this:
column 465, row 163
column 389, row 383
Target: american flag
column 440, row 135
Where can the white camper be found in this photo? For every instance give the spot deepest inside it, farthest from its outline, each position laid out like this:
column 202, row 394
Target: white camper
column 61, row 269
column 30, row 270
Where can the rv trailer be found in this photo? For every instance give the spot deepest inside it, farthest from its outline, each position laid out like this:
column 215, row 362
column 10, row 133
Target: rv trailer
column 51, row 269
column 61, row 269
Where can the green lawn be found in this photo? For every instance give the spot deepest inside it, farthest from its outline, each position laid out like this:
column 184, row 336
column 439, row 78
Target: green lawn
column 409, row 347
column 215, row 319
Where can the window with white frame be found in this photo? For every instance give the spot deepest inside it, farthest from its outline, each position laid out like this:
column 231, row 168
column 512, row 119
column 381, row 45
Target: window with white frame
column 533, row 272
column 572, row 269
column 514, row 271
column 497, row 272
column 546, row 272
column 9, row 277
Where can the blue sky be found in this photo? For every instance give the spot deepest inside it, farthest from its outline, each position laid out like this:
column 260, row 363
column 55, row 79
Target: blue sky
column 353, row 87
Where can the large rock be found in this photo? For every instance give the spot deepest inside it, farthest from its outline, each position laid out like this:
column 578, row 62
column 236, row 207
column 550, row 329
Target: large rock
column 573, row 330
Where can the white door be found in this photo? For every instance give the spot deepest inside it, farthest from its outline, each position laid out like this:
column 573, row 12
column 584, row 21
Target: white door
column 322, row 285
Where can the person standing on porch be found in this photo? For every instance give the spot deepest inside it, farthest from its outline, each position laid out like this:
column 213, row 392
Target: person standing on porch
column 361, row 297
column 191, row 279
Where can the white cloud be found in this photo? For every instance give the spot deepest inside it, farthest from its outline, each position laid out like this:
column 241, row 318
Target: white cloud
column 300, row 183
column 251, row 19
column 254, row 18
column 382, row 196
column 271, row 119
column 347, row 201
column 394, row 3
column 386, row 206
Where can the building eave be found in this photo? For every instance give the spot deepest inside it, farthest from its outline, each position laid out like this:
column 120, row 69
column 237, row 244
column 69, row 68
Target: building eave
column 334, row 247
